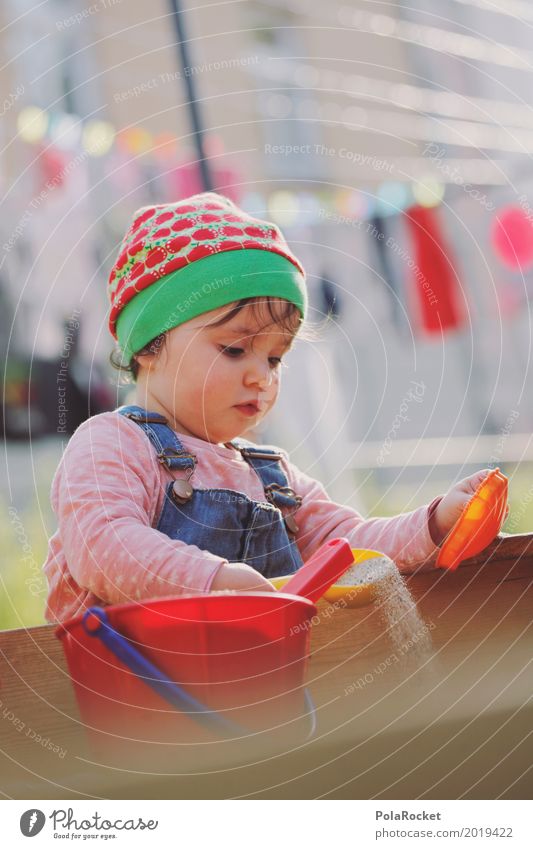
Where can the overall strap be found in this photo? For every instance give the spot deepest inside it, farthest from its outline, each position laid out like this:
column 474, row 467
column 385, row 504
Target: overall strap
column 169, row 449
column 266, row 462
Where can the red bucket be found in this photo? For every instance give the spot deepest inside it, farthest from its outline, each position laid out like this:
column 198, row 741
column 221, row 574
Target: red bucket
column 190, row 669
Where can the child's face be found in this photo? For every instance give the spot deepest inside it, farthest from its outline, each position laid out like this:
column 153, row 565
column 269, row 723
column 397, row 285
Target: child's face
column 216, row 382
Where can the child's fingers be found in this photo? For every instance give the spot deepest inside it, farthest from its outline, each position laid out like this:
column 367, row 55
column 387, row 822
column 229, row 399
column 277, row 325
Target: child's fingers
column 471, row 483
column 240, row 577
column 481, row 475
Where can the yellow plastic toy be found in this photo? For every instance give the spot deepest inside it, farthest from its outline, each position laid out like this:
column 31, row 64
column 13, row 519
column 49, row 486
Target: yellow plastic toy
column 349, row 595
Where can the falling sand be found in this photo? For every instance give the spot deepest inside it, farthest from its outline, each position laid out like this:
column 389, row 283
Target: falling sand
column 409, row 634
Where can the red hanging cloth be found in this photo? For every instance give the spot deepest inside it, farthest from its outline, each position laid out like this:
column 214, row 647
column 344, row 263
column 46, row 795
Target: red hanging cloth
column 437, row 290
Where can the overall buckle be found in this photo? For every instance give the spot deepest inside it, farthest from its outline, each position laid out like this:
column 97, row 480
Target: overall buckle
column 146, row 418
column 170, row 453
column 260, row 455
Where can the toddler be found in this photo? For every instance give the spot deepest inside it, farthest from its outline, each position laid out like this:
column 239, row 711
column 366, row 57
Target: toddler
column 164, row 496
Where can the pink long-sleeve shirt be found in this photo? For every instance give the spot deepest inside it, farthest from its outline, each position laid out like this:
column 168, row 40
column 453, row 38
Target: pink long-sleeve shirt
column 108, row 492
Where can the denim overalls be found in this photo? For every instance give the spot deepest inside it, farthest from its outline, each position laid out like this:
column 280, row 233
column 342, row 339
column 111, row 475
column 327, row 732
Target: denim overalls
column 224, row 521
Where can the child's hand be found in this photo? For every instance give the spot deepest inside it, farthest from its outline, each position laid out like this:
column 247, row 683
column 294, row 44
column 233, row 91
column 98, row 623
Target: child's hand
column 452, row 505
column 240, row 576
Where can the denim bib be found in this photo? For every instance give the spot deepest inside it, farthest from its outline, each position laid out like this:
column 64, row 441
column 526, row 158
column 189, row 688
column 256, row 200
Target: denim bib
column 226, row 522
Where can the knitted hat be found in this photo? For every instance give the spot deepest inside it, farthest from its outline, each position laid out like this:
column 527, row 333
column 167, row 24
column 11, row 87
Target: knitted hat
column 180, row 260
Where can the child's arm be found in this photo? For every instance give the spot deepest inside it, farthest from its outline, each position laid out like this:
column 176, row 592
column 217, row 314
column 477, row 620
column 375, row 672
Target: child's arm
column 105, row 494
column 405, row 538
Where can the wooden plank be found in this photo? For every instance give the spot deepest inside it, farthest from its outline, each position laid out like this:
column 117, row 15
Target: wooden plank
column 504, row 547
column 35, row 687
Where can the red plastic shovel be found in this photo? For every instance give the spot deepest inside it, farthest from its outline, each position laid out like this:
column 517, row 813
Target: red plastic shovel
column 321, row 570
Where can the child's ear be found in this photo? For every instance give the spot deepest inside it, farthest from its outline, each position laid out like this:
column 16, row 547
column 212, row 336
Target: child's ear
column 143, row 360
column 148, row 361
column 147, row 356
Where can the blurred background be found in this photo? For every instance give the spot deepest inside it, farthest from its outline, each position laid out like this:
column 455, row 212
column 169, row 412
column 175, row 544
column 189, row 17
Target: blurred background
column 393, row 147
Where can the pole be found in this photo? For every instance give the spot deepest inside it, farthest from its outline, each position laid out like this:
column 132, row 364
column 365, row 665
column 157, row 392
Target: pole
column 198, row 133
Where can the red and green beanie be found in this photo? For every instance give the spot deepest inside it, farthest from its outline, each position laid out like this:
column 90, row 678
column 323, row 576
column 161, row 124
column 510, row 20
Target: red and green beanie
column 179, row 260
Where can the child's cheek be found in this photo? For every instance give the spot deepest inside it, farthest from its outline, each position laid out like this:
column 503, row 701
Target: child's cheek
column 272, row 392
column 213, row 389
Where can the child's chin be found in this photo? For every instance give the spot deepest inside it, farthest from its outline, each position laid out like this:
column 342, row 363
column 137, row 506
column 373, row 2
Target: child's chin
column 220, row 437
column 232, row 432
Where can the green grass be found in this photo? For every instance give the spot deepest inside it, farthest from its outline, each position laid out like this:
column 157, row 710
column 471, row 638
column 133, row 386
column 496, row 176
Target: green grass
column 399, row 498
column 23, row 585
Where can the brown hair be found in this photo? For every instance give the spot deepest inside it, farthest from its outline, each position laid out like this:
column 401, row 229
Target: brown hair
column 283, row 314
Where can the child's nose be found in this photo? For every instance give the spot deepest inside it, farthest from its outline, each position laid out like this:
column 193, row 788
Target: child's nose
column 259, row 372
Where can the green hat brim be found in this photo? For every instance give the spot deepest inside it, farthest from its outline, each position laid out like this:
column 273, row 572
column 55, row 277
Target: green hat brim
column 205, row 285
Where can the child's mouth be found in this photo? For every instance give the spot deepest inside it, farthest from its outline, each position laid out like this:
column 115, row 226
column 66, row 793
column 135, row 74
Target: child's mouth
column 247, row 409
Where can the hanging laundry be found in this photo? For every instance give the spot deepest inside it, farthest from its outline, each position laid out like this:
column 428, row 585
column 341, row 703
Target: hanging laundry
column 52, row 168
column 378, row 234
column 328, row 293
column 439, row 300
column 512, row 237
column 186, row 179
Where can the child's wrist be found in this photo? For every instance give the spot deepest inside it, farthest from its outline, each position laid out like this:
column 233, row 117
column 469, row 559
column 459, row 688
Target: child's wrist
column 216, row 573
column 435, row 531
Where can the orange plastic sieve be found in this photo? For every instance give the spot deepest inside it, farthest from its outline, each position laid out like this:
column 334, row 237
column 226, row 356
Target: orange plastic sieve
column 479, row 522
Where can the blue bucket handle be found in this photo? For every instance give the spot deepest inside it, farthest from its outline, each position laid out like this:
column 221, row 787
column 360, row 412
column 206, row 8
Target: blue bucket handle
column 165, row 687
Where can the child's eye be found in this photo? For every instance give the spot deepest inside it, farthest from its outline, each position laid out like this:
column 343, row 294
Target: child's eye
column 232, row 352
column 237, row 352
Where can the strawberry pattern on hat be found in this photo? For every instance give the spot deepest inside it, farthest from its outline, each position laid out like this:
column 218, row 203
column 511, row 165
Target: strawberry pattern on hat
column 164, row 238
